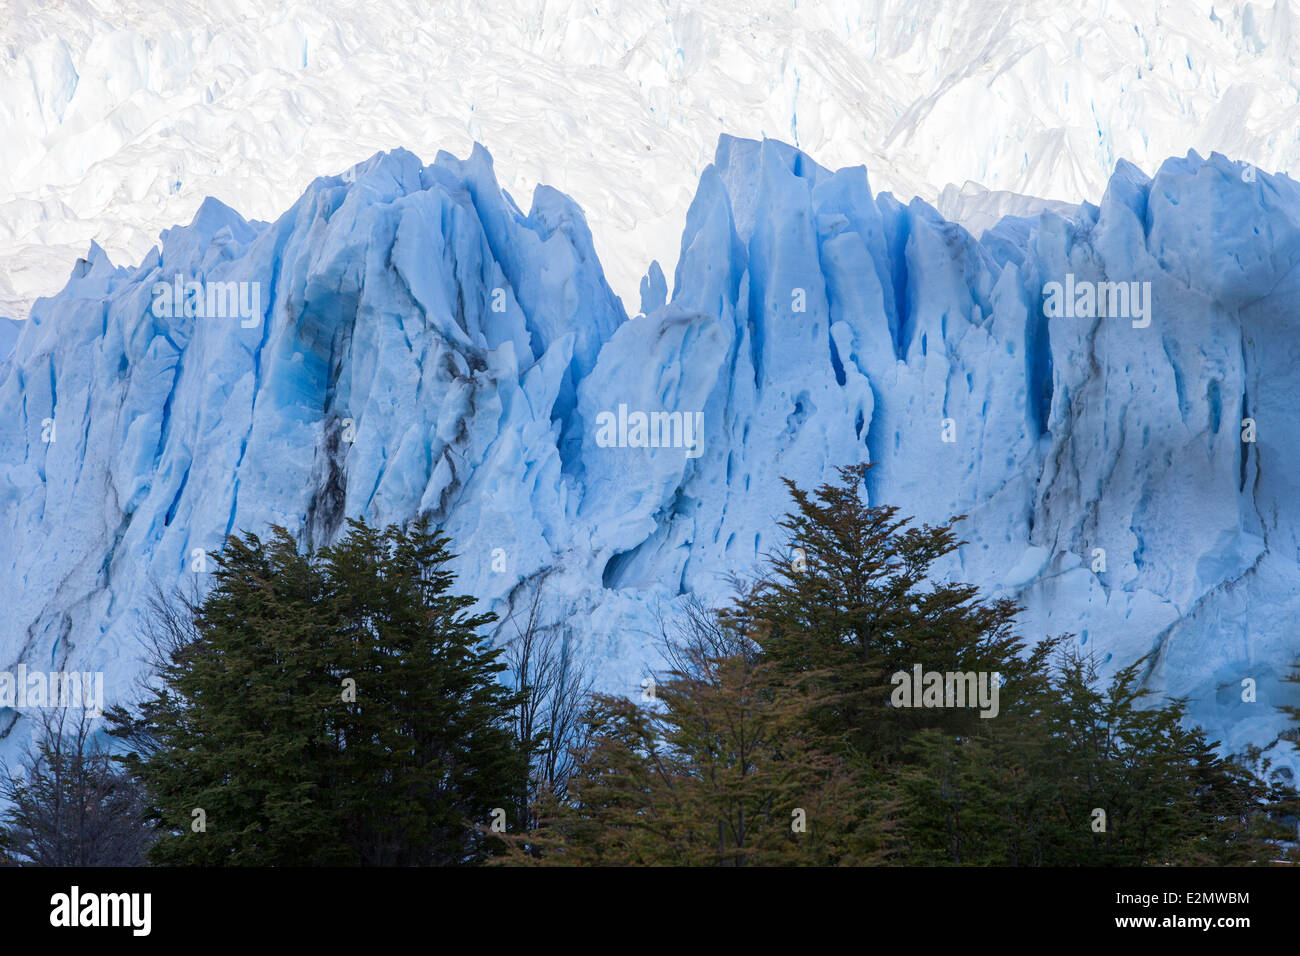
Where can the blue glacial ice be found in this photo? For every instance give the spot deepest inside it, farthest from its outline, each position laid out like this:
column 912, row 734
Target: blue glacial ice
column 422, row 345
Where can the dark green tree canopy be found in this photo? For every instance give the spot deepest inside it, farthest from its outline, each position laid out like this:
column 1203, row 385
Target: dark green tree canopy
column 340, row 707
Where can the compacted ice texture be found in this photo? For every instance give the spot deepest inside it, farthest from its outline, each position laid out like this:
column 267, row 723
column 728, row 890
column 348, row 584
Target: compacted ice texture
column 419, row 345
column 120, row 116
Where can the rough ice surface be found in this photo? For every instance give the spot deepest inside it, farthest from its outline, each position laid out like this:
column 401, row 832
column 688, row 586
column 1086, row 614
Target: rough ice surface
column 9, row 329
column 426, row 347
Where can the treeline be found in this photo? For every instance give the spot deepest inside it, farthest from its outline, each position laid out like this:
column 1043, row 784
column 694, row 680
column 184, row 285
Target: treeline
column 344, row 708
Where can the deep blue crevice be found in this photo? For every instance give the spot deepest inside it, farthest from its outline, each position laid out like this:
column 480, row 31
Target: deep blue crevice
column 1245, row 445
column 176, row 499
column 874, row 450
column 898, row 229
column 1215, row 399
column 616, row 568
column 836, row 364
column 1038, row 370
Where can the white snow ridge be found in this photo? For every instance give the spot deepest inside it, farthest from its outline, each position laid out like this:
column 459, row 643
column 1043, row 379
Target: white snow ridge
column 424, row 346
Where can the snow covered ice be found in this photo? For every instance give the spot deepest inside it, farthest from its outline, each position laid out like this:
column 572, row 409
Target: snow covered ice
column 425, row 346
column 120, row 118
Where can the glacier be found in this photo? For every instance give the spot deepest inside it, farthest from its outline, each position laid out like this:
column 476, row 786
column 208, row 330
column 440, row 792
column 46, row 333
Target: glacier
column 9, row 329
column 121, row 118
column 424, row 346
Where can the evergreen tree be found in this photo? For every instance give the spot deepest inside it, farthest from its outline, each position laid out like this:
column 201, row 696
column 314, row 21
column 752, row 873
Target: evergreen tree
column 854, row 598
column 238, row 773
column 1098, row 777
column 714, row 772
column 427, row 746
column 330, row 709
column 785, row 701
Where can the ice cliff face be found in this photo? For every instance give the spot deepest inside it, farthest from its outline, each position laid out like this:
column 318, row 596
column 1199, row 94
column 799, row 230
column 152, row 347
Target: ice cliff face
column 9, row 330
column 420, row 345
